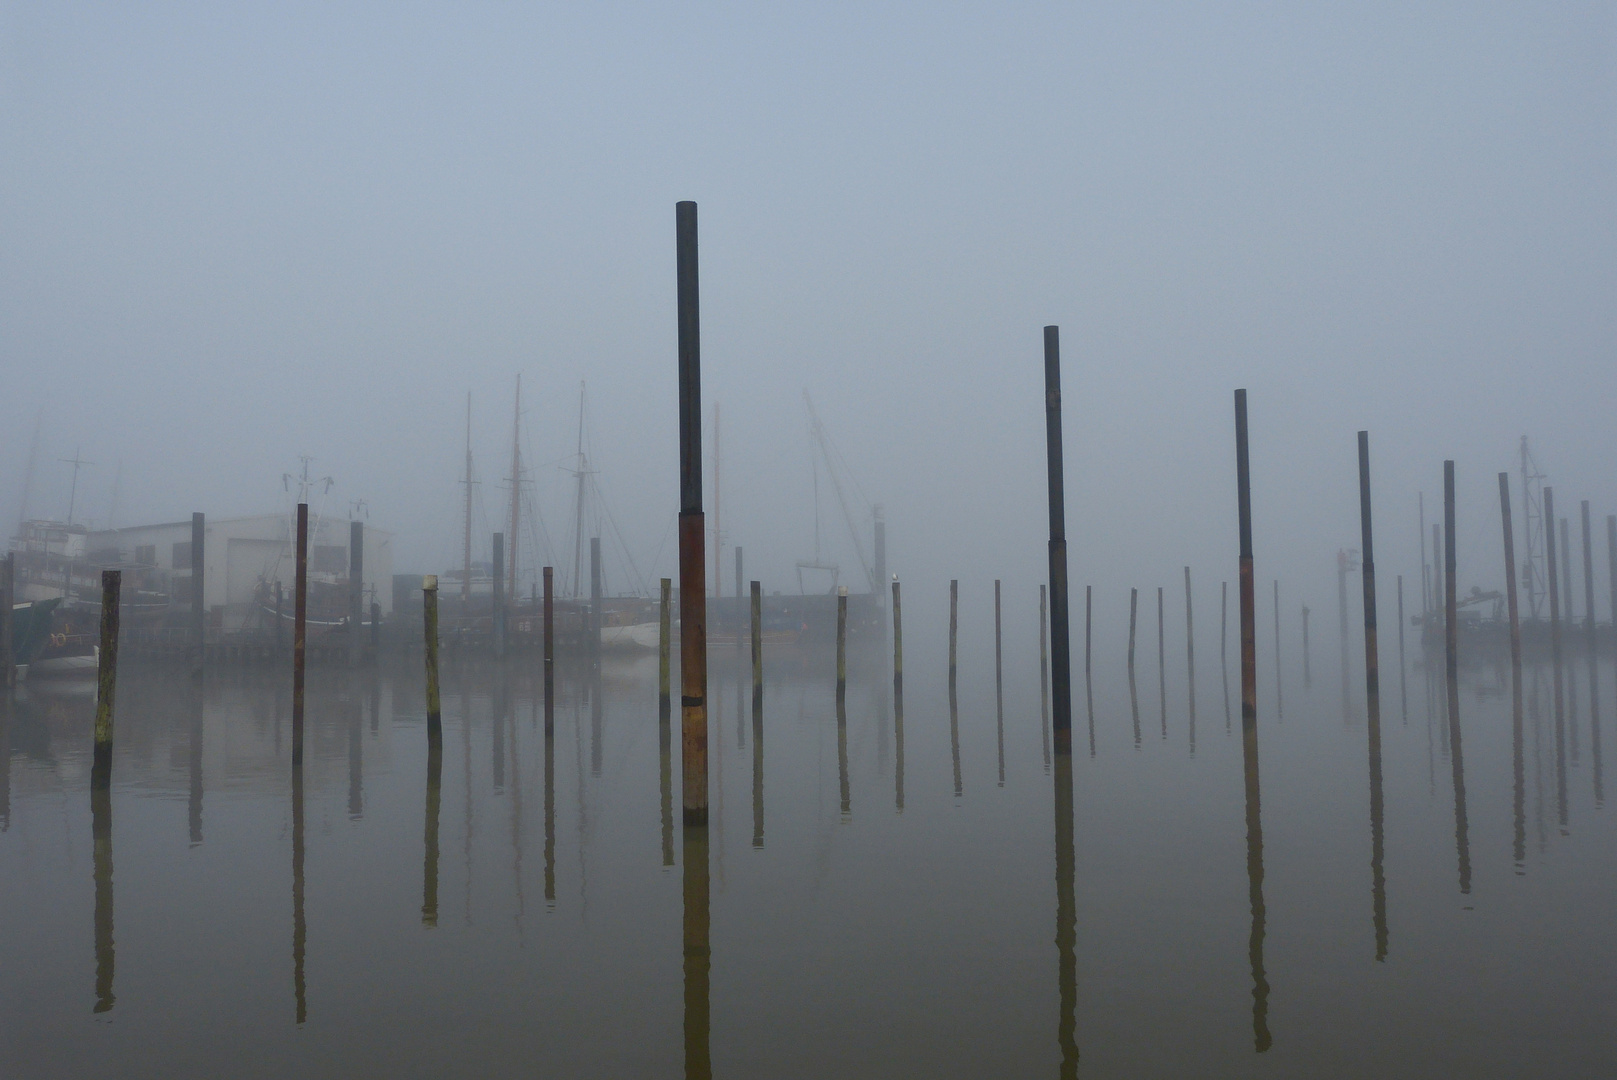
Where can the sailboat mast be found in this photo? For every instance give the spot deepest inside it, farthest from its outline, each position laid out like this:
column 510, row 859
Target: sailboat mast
column 578, row 513
column 516, row 490
column 466, row 550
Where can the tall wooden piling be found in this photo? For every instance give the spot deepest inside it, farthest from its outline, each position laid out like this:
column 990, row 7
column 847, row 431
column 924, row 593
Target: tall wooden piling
column 757, row 637
column 497, row 595
column 1134, row 607
column 1190, row 642
column 1588, row 586
column 898, row 641
column 8, row 590
column 106, row 678
column 1510, row 576
column 1367, row 571
column 429, row 627
column 1061, row 666
column 954, row 625
column 1248, row 597
column 300, row 615
column 199, row 637
column 842, row 642
column 101, row 859
column 739, row 595
column 548, row 574
column 356, row 591
column 1089, row 611
column 1452, row 651
column 692, row 583
column 664, row 638
column 1044, row 674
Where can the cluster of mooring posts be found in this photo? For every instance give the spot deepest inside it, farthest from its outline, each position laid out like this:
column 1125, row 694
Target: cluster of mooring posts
column 1054, row 676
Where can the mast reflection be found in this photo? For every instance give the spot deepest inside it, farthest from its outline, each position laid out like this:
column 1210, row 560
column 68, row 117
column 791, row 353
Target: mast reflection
column 194, row 798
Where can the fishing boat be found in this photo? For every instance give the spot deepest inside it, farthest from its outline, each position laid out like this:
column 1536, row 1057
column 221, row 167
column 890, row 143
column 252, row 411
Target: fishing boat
column 30, row 630
column 70, row 649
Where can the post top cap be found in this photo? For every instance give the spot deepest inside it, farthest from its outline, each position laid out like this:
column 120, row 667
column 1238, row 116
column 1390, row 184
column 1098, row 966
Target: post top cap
column 430, row 581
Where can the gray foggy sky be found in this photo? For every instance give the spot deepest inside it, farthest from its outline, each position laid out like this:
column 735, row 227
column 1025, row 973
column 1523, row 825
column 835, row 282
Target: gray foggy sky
column 228, row 237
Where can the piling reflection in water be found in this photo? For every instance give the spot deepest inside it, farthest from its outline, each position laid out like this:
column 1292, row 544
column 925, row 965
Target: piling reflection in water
column 954, row 737
column 999, row 686
column 1589, row 636
column 1462, row 839
column 1552, row 578
column 101, row 837
column 665, row 781
column 1066, row 919
column 194, row 770
column 550, row 788
column 698, row 954
column 842, row 758
column 758, row 762
column 1261, row 1039
column 1190, row 662
column 300, row 929
column 356, row 752
column 429, row 860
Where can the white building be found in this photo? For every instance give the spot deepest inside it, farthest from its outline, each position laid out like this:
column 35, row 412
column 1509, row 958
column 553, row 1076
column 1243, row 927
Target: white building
column 241, row 554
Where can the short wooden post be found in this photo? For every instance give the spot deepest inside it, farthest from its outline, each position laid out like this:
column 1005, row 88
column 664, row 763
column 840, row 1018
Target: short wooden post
column 106, row 678
column 1134, row 608
column 842, row 642
column 300, row 610
column 429, row 626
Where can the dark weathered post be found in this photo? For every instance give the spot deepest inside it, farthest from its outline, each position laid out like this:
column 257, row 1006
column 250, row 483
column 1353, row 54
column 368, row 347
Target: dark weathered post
column 8, row 588
column 106, row 678
column 1553, row 578
column 1044, row 673
column 1249, row 731
column 664, row 644
column 1248, row 598
column 1190, row 643
column 497, row 596
column 692, row 581
column 356, row 591
column 300, row 614
column 435, row 772
column 1589, row 595
column 954, row 625
column 999, row 686
column 898, row 641
column 101, row 857
column 1061, row 667
column 1452, row 643
column 429, row 626
column 1162, row 665
column 1089, row 608
column 1134, row 607
column 842, row 643
column 198, row 610
column 880, row 551
column 1510, row 576
column 549, row 576
column 1367, row 570
column 757, row 637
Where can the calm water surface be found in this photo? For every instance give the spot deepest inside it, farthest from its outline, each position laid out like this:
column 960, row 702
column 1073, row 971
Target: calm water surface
column 884, row 897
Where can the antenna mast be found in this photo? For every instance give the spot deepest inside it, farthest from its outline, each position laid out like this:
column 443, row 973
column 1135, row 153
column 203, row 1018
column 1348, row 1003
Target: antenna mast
column 73, row 496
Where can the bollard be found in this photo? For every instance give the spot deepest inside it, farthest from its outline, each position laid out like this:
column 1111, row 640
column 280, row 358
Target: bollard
column 300, row 612
column 429, row 623
column 106, row 678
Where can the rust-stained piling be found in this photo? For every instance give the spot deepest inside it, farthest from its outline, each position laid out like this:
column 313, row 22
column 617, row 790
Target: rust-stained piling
column 199, row 635
column 842, row 643
column 692, row 583
column 356, row 591
column 954, row 625
column 1061, row 665
column 106, row 678
column 300, row 614
column 429, row 627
